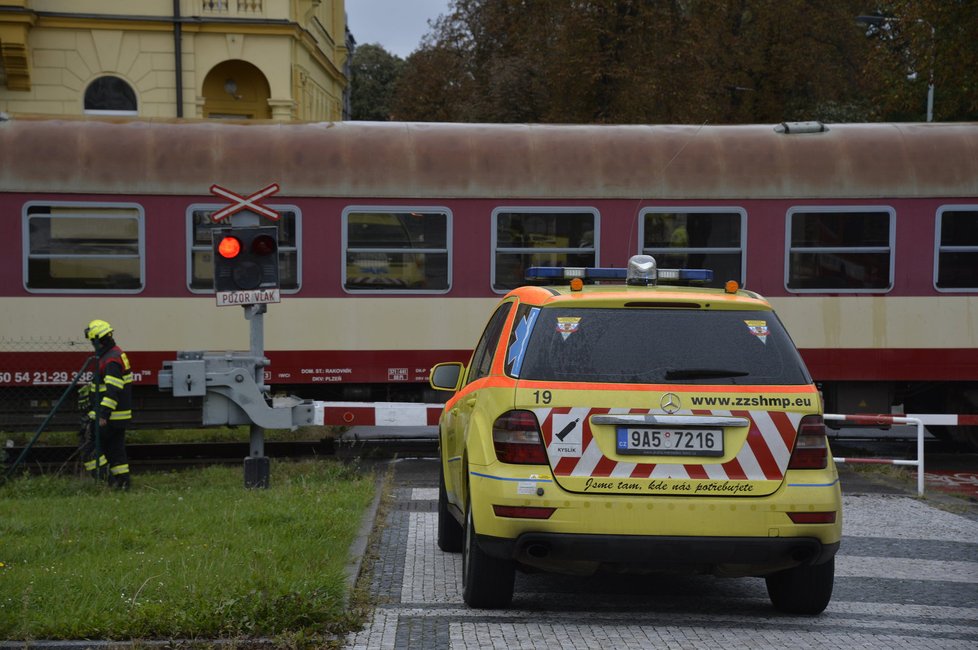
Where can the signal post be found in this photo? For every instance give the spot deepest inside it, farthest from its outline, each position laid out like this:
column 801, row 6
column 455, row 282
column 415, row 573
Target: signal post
column 246, row 274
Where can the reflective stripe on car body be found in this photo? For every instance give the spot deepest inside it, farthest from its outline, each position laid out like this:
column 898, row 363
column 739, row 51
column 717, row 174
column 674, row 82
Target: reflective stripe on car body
column 756, row 455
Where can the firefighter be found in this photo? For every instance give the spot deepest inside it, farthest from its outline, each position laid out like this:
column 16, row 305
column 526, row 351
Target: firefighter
column 109, row 406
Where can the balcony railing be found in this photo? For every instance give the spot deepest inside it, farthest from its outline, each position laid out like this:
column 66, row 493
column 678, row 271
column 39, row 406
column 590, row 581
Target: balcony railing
column 233, row 7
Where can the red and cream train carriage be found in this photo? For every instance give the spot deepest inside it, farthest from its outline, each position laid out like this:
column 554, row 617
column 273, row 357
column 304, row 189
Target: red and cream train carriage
column 397, row 238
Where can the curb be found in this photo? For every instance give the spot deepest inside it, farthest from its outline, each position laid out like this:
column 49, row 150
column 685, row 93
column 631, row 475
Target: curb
column 358, row 548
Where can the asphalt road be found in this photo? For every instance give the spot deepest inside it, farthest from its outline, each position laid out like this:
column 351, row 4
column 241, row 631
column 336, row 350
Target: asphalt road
column 906, row 577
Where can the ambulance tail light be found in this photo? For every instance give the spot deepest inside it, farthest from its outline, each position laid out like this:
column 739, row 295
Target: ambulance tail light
column 516, row 439
column 811, row 446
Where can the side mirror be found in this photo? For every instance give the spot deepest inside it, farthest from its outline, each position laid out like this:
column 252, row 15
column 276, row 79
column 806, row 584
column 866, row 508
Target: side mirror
column 446, row 376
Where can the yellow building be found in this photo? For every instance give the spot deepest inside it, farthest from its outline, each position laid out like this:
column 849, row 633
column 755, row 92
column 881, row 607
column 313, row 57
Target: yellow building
column 263, row 59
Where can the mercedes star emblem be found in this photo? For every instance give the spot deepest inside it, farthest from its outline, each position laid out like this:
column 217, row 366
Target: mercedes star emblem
column 670, row 403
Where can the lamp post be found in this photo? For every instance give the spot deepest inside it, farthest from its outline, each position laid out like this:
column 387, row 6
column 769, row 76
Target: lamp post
column 930, row 80
column 879, row 21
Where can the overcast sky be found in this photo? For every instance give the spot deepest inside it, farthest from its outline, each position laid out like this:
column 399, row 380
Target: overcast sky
column 397, row 25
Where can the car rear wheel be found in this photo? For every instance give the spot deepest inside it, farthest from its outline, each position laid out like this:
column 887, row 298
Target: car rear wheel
column 803, row 589
column 487, row 582
column 449, row 530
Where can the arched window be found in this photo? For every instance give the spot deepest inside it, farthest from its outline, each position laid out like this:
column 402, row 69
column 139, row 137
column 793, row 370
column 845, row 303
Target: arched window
column 110, row 95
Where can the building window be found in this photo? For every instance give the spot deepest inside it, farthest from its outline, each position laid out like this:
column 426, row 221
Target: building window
column 697, row 238
column 201, row 260
column 840, row 249
column 396, row 250
column 84, row 247
column 110, row 96
column 956, row 262
column 527, row 237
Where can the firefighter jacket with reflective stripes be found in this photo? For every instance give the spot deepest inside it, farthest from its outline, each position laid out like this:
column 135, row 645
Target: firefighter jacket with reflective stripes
column 111, row 398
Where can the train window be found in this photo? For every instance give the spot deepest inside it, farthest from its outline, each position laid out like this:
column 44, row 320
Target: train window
column 525, row 237
column 402, row 250
column 839, row 249
column 956, row 263
column 200, row 263
column 697, row 238
column 90, row 247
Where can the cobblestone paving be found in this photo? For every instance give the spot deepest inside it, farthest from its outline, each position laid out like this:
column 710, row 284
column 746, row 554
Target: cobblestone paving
column 906, row 577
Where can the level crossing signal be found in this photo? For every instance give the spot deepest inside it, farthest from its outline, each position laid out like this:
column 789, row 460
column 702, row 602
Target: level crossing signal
column 246, row 269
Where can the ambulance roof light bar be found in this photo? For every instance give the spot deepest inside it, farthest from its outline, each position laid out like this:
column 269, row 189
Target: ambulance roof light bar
column 641, row 271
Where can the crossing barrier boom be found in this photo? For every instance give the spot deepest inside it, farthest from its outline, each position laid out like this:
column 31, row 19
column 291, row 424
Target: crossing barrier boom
column 885, row 420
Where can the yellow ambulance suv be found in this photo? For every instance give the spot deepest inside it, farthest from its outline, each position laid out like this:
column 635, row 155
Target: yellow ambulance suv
column 626, row 420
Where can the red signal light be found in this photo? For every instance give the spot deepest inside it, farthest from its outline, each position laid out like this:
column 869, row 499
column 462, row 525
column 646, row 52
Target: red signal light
column 263, row 245
column 245, row 258
column 229, row 247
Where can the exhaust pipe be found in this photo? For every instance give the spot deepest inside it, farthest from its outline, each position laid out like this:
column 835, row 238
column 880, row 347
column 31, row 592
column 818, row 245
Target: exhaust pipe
column 803, row 554
column 538, row 551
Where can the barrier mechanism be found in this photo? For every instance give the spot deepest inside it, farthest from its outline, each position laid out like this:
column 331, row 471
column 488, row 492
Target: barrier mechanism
column 884, row 420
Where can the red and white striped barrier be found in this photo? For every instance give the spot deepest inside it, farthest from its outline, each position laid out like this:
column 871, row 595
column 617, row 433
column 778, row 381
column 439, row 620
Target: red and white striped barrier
column 885, row 420
column 378, row 414
column 928, row 419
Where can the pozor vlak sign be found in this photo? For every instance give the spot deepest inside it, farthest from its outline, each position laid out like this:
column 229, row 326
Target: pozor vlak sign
column 246, row 270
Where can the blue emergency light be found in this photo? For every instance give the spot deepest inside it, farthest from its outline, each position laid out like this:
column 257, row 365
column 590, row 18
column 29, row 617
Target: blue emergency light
column 641, row 271
column 571, row 272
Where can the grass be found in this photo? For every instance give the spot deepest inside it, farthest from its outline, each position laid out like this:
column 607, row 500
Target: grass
column 899, row 473
column 906, row 477
column 153, row 436
column 189, row 554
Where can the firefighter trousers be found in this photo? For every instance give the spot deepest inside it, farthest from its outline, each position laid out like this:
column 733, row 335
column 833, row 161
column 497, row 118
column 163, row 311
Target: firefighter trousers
column 112, row 463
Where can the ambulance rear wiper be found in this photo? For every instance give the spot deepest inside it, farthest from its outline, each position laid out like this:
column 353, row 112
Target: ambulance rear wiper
column 703, row 373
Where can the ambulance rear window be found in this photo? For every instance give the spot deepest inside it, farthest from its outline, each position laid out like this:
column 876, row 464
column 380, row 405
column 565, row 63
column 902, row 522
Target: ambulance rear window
column 661, row 346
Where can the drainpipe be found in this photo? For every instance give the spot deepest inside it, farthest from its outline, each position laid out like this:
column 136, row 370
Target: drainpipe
column 178, row 54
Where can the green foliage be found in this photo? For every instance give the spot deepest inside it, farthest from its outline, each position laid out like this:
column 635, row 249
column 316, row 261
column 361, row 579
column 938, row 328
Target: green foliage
column 161, row 436
column 629, row 61
column 696, row 61
column 184, row 554
column 919, row 41
column 373, row 72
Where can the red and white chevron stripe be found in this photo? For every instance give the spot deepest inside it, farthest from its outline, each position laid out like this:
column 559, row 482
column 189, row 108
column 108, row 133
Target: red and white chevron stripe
column 764, row 456
column 392, row 414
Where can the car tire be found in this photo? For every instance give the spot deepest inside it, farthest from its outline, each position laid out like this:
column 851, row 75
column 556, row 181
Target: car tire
column 487, row 582
column 803, row 589
column 450, row 533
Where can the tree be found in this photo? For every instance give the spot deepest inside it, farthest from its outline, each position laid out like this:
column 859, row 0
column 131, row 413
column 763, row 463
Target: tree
column 373, row 73
column 779, row 60
column 536, row 60
column 917, row 42
column 683, row 61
